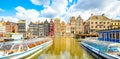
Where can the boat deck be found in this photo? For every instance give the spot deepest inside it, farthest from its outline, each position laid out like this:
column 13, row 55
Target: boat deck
column 109, row 48
column 16, row 47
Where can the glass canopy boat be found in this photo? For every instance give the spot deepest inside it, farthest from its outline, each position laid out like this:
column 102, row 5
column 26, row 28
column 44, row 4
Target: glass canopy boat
column 22, row 48
column 107, row 50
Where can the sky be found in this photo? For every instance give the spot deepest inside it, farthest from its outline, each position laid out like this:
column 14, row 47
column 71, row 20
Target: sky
column 34, row 10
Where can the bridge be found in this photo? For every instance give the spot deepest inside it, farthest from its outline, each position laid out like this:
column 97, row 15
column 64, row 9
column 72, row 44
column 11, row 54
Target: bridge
column 88, row 35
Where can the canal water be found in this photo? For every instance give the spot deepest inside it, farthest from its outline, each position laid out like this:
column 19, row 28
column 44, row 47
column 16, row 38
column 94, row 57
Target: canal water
column 64, row 48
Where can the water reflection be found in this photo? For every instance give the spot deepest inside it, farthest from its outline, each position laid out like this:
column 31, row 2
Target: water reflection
column 65, row 48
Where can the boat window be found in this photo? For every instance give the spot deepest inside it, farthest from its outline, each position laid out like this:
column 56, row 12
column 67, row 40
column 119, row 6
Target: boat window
column 16, row 47
column 6, row 47
column 103, row 35
column 117, row 35
column 111, row 36
column 100, row 35
column 25, row 47
column 113, row 49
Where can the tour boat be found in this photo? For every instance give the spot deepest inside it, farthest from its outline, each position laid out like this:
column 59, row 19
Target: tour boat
column 22, row 48
column 101, row 49
column 107, row 45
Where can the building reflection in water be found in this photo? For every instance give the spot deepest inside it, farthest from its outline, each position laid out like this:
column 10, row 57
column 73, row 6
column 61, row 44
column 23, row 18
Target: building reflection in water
column 65, row 48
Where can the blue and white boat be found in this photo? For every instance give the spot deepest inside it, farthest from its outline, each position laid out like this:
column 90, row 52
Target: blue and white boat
column 105, row 51
column 20, row 49
column 106, row 46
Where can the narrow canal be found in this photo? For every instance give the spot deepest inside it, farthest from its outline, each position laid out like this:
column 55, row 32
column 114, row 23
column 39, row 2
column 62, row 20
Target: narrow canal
column 64, row 48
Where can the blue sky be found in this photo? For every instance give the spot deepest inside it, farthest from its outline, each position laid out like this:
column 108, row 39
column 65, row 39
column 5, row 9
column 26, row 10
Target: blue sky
column 10, row 5
column 34, row 10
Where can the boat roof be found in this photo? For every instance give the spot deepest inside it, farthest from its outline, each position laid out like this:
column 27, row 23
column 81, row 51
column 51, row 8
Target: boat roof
column 107, row 30
column 114, row 44
column 103, row 43
column 21, row 41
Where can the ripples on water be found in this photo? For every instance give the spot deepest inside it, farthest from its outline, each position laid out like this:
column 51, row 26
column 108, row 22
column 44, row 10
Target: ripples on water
column 64, row 48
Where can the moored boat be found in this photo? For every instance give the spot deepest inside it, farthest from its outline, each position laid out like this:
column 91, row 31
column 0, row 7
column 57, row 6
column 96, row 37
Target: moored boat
column 20, row 49
column 108, row 51
column 107, row 45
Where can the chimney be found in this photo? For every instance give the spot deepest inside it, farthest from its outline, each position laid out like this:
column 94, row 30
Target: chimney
column 103, row 14
column 91, row 14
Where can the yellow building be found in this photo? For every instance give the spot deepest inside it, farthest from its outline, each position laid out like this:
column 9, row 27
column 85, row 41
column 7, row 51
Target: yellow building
column 63, row 28
column 79, row 27
column 97, row 22
column 2, row 28
column 68, row 29
column 73, row 25
column 7, row 27
column 115, row 24
column 57, row 27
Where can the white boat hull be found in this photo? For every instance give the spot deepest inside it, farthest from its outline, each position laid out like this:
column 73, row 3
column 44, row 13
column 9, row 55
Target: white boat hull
column 98, row 52
column 28, row 52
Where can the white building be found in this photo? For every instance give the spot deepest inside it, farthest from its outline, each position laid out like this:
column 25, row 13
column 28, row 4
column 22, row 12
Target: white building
column 2, row 29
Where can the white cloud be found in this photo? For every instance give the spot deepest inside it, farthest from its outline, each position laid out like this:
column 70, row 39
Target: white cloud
column 59, row 8
column 1, row 10
column 56, row 9
column 113, row 10
column 30, row 14
column 110, row 8
column 52, row 10
column 48, row 12
column 70, row 1
column 40, row 2
column 9, row 18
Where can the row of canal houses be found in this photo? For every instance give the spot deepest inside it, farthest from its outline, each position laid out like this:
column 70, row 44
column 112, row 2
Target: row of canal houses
column 40, row 29
column 9, row 29
column 56, row 28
